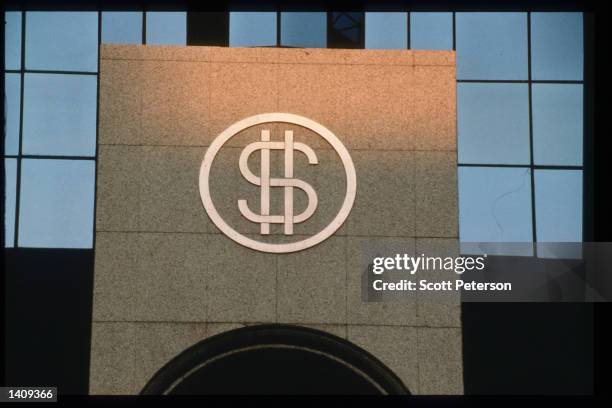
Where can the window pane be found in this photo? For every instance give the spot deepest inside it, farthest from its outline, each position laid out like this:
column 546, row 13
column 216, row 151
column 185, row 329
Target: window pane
column 250, row 28
column 56, row 203
column 304, row 29
column 122, row 27
column 431, row 31
column 491, row 45
column 59, row 116
column 167, row 28
column 557, row 46
column 493, row 123
column 65, row 41
column 10, row 183
column 12, row 98
column 386, row 30
column 346, row 30
column 557, row 124
column 495, row 206
column 12, row 40
column 558, row 199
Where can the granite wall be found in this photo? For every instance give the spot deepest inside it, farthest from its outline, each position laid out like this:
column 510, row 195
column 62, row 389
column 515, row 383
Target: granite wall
column 166, row 277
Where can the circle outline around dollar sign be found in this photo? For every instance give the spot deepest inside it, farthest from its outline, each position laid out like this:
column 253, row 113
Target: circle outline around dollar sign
column 217, row 144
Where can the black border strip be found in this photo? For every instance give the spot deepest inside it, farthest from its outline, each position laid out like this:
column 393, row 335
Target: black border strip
column 337, row 5
column 588, row 150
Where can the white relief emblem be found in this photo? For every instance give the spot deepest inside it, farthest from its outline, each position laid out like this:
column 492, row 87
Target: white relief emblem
column 288, row 183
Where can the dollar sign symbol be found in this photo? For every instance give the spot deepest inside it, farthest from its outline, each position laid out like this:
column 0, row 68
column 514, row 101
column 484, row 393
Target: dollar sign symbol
column 288, row 182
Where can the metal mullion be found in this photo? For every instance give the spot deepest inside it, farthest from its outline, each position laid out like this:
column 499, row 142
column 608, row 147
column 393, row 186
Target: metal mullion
column 58, row 72
column 46, row 71
column 454, row 33
column 533, row 207
column 407, row 29
column 95, row 158
column 535, row 166
column 54, row 157
column 519, row 81
column 278, row 28
column 144, row 27
column 18, row 171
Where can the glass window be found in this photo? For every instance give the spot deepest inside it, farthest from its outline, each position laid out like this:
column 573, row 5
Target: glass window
column 304, row 29
column 386, row 30
column 12, row 40
column 557, row 46
column 431, row 31
column 491, row 45
column 59, row 116
column 65, row 41
column 346, row 30
column 10, row 183
column 56, row 203
column 557, row 124
column 250, row 28
column 495, row 206
column 166, row 28
column 12, row 98
column 493, row 123
column 121, row 27
column 558, row 201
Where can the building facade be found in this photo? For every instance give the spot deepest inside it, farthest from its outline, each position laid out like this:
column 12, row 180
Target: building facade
column 167, row 277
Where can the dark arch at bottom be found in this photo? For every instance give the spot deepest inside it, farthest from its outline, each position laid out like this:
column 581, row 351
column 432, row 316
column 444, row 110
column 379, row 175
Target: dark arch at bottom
column 274, row 359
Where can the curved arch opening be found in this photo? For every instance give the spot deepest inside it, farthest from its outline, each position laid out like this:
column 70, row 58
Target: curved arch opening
column 274, row 359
